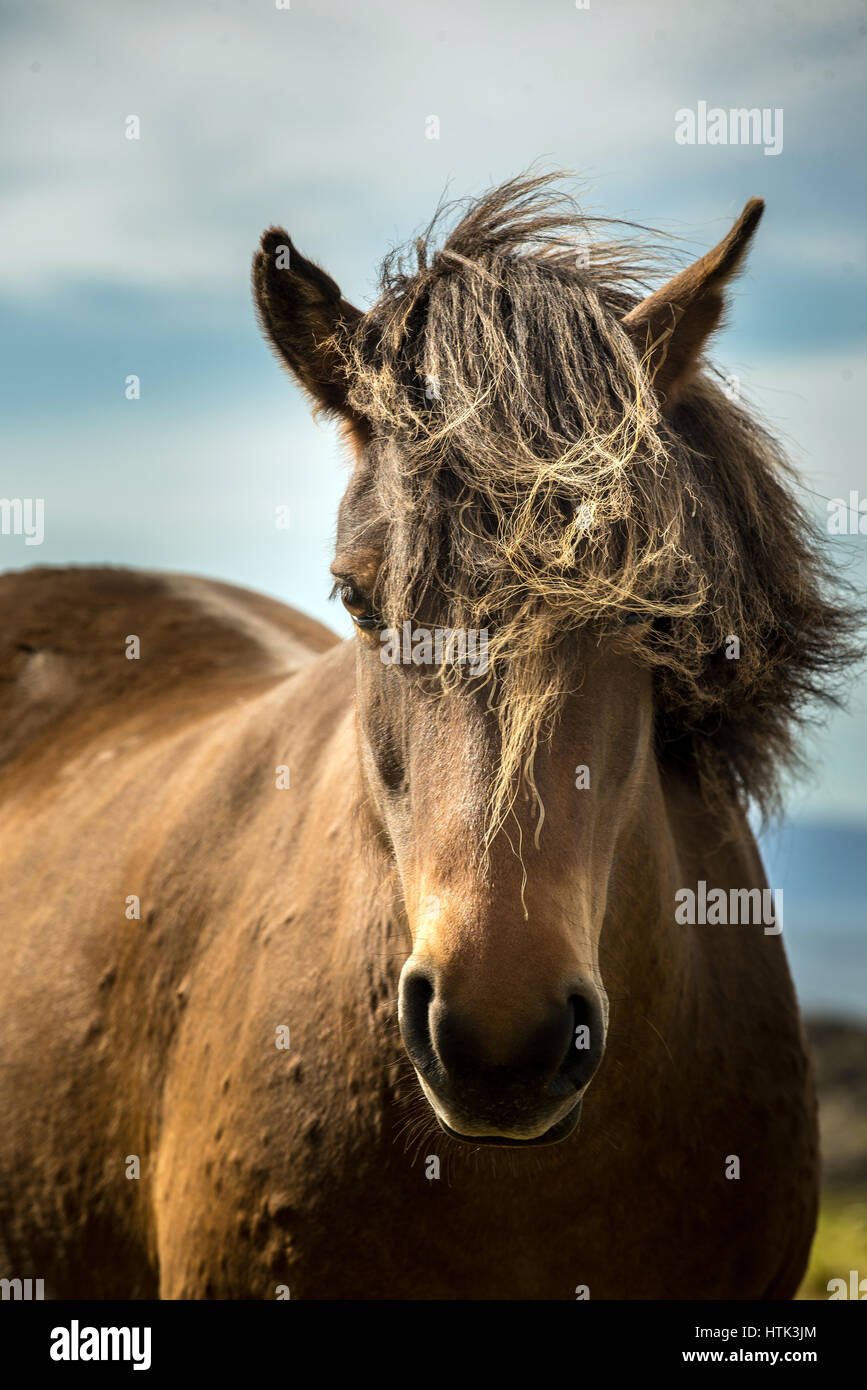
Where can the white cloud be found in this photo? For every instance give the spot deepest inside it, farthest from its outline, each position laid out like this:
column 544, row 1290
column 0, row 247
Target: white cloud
column 252, row 114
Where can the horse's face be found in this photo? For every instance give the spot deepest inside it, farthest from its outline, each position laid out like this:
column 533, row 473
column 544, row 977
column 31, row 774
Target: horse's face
column 502, row 1008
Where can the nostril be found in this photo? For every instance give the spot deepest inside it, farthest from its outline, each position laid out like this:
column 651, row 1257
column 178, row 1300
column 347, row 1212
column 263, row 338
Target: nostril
column 415, row 997
column 586, row 1043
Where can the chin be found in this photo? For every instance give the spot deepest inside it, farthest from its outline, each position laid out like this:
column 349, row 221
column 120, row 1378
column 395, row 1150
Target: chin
column 561, row 1129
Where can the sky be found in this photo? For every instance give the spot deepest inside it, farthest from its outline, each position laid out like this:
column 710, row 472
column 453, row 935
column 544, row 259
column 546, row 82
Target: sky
column 131, row 256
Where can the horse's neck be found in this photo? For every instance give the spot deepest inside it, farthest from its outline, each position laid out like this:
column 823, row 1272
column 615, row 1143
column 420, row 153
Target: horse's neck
column 663, row 971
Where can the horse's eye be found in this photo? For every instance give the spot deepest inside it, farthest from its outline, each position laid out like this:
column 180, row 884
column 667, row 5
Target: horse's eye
column 358, row 607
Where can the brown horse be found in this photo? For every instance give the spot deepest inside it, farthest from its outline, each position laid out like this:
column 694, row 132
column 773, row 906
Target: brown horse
column 312, row 949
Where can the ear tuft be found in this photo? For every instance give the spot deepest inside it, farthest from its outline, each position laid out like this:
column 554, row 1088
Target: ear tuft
column 300, row 308
column 671, row 327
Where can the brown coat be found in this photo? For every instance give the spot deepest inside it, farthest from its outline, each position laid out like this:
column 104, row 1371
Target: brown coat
column 156, row 1036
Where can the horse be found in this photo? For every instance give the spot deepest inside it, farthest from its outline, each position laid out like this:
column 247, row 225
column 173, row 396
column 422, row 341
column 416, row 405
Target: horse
column 355, row 968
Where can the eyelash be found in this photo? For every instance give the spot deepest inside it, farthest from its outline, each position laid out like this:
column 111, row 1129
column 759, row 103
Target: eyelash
column 369, row 622
column 345, row 589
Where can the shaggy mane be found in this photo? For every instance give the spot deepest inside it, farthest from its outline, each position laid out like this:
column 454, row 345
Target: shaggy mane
column 538, row 490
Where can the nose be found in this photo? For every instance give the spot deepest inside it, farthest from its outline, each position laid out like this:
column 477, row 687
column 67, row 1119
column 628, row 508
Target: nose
column 516, row 1072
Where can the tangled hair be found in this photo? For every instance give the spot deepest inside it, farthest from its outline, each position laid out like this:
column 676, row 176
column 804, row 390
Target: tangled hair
column 537, row 490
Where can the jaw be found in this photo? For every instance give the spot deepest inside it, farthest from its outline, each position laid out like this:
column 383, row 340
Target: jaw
column 561, row 1129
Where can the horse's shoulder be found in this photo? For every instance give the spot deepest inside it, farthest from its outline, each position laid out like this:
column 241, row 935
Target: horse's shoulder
column 79, row 639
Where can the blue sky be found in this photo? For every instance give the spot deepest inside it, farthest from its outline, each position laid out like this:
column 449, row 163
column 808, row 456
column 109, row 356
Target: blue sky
column 128, row 256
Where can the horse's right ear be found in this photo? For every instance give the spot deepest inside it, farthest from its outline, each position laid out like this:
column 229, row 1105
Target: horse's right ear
column 671, row 327
column 299, row 308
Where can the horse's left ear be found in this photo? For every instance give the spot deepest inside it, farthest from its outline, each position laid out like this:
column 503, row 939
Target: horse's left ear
column 300, row 308
column 671, row 326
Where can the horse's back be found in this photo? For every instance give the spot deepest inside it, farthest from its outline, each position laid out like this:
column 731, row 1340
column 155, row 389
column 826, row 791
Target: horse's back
column 91, row 645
